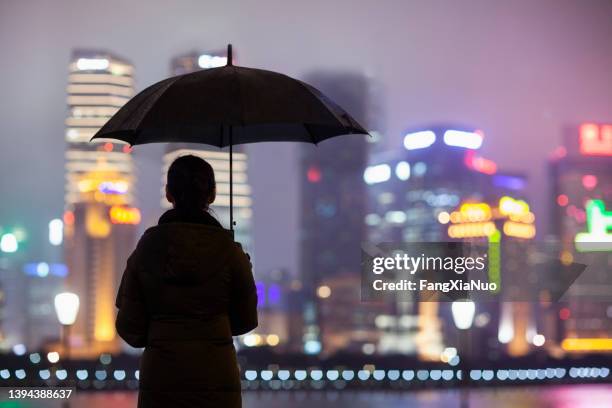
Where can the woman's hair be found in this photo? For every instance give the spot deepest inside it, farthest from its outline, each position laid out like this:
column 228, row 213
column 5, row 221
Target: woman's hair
column 191, row 183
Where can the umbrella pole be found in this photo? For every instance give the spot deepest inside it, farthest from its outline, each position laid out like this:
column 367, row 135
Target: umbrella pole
column 231, row 181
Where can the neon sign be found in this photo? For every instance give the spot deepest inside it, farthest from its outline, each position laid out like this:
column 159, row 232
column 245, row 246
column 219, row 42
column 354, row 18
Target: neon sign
column 479, row 163
column 474, row 220
column 599, row 222
column 124, row 215
column 596, row 140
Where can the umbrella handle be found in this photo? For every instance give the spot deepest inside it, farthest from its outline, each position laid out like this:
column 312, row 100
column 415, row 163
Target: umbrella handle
column 231, row 178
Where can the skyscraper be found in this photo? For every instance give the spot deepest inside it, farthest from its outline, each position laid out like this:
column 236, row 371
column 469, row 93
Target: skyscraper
column 218, row 159
column 332, row 210
column 581, row 220
column 412, row 193
column 100, row 218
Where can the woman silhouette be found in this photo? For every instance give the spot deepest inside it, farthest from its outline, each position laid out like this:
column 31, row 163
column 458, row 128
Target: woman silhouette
column 186, row 290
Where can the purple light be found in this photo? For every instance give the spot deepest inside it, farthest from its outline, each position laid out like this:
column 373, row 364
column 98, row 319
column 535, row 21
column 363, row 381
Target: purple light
column 274, row 294
column 261, row 293
column 510, row 182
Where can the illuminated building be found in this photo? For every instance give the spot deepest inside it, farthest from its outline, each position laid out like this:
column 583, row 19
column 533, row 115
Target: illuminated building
column 412, row 193
column 273, row 309
column 348, row 324
column 218, row 159
column 99, row 236
column 332, row 205
column 43, row 281
column 507, row 227
column 581, row 221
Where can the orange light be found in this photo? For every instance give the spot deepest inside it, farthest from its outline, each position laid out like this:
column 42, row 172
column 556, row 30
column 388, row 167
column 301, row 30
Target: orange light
column 124, row 215
column 519, row 230
column 108, row 147
column 596, row 140
column 472, row 230
column 586, row 344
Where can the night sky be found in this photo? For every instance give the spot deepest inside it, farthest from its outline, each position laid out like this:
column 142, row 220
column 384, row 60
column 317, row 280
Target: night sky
column 519, row 70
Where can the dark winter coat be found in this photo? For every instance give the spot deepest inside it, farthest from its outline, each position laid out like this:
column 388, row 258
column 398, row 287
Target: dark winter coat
column 186, row 290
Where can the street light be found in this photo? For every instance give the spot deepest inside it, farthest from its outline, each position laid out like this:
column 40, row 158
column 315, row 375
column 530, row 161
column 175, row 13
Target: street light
column 463, row 317
column 463, row 313
column 66, row 307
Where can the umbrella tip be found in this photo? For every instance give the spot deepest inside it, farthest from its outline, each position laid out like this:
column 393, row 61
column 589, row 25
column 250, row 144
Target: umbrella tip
column 229, row 54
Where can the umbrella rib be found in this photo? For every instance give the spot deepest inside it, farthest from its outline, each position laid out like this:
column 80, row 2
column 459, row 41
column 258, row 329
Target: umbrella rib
column 170, row 83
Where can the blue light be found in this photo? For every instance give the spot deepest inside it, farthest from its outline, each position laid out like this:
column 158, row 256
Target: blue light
column 111, row 187
column 348, row 375
column 316, row 375
column 459, row 138
column 419, row 169
column 250, row 375
column 300, row 375
column 266, row 375
column 82, row 374
column 312, row 347
column 509, row 182
column 274, row 294
column 419, row 140
column 43, row 269
column 283, row 375
column 408, row 375
column 61, row 374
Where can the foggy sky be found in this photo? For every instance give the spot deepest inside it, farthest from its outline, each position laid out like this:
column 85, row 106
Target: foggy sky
column 519, row 70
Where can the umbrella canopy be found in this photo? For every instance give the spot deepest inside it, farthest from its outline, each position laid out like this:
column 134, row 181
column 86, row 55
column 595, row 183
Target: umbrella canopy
column 201, row 107
column 226, row 106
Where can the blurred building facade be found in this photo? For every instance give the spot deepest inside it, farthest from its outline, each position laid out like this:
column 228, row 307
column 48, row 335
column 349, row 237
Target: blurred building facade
column 218, row 159
column 580, row 173
column 416, row 194
column 331, row 217
column 100, row 220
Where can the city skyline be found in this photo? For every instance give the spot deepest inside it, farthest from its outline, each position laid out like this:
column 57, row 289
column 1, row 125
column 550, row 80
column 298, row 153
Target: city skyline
column 506, row 114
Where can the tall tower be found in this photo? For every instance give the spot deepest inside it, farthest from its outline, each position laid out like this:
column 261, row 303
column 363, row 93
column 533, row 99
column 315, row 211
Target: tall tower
column 331, row 221
column 581, row 220
column 218, row 159
column 100, row 220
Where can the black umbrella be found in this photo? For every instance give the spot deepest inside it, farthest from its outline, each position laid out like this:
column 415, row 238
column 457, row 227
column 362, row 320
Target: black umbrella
column 226, row 106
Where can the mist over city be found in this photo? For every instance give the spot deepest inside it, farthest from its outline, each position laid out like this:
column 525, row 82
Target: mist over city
column 489, row 135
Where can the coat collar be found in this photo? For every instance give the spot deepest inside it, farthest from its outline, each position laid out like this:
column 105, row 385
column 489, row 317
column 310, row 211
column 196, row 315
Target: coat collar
column 200, row 217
